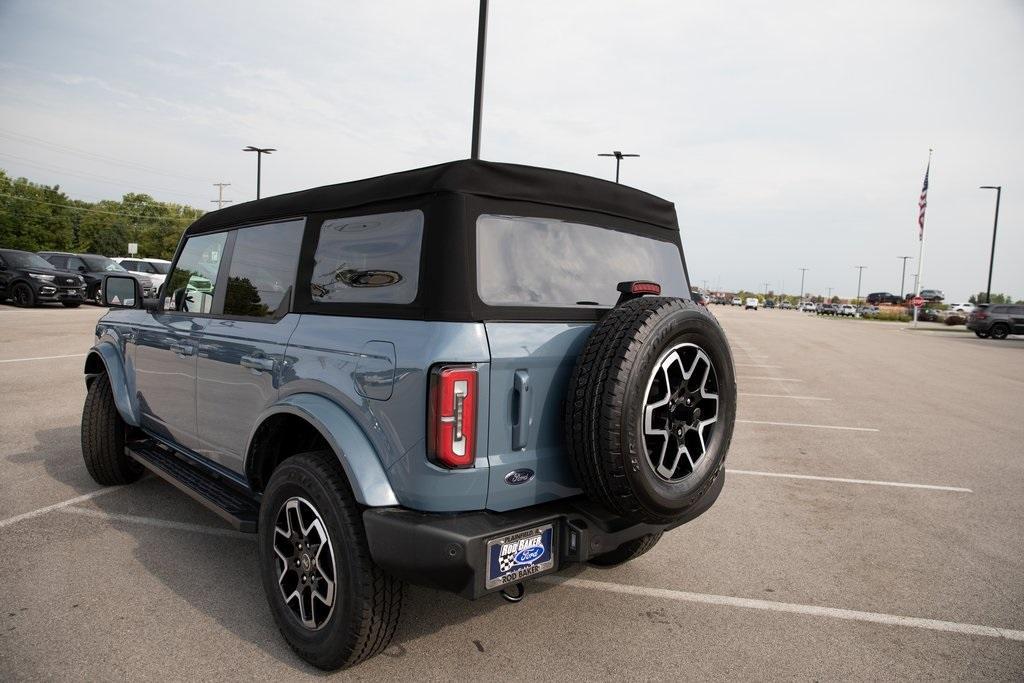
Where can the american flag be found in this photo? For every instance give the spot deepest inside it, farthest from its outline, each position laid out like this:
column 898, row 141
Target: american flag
column 923, row 203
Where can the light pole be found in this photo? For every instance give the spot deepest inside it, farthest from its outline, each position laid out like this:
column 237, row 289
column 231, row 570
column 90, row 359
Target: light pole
column 860, row 271
column 803, row 271
column 478, row 93
column 903, row 277
column 829, row 295
column 995, row 225
column 260, row 151
column 619, row 156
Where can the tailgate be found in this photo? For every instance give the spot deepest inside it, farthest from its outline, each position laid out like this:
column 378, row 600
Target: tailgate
column 530, row 367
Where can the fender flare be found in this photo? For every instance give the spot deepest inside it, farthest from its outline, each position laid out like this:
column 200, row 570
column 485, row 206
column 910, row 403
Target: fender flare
column 356, row 454
column 108, row 354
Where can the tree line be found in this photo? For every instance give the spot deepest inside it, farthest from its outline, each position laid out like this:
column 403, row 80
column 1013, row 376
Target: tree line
column 35, row 217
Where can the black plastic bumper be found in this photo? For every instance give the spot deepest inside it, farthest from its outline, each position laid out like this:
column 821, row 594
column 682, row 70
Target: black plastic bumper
column 449, row 551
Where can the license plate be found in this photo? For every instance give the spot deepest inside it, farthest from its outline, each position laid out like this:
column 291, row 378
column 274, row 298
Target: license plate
column 70, row 292
column 520, row 555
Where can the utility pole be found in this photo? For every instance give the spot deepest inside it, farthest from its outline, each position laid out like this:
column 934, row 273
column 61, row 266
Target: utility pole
column 829, row 295
column 860, row 271
column 220, row 201
column 903, row 277
column 260, row 151
column 995, row 225
column 766, row 289
column 803, row 271
column 619, row 156
column 478, row 93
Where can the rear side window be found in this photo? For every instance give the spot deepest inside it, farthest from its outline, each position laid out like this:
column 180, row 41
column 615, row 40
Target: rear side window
column 190, row 286
column 548, row 262
column 368, row 259
column 262, row 270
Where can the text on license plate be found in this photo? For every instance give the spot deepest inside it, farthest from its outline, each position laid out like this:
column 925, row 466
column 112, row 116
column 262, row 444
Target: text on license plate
column 519, row 555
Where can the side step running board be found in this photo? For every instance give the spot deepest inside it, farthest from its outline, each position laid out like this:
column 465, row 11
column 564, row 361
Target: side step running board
column 241, row 511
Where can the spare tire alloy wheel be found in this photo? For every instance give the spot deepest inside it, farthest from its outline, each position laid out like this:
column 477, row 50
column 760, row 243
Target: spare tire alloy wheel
column 305, row 562
column 680, row 412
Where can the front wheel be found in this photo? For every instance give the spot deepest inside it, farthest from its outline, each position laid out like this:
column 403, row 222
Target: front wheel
column 1000, row 331
column 103, row 433
column 23, row 296
column 332, row 604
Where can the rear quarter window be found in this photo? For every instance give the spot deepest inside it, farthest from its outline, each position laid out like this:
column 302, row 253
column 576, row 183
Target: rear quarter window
column 368, row 259
column 549, row 262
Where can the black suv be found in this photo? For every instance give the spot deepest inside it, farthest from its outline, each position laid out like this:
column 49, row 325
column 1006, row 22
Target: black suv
column 876, row 298
column 997, row 321
column 29, row 280
column 93, row 268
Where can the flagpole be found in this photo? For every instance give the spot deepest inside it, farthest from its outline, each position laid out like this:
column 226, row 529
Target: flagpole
column 920, row 247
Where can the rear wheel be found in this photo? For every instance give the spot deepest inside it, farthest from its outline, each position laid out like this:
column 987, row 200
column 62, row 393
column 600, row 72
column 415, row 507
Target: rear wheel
column 1000, row 331
column 332, row 604
column 103, row 433
column 627, row 551
column 23, row 295
column 982, row 333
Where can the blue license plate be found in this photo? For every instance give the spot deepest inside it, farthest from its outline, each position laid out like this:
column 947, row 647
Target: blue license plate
column 520, row 555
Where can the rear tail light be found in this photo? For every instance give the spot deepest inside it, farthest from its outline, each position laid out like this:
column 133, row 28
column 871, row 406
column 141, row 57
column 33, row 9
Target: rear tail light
column 980, row 315
column 452, row 417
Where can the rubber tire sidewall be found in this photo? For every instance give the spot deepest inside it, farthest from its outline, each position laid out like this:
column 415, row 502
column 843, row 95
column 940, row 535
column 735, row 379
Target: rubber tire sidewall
column 999, row 331
column 662, row 499
column 23, row 287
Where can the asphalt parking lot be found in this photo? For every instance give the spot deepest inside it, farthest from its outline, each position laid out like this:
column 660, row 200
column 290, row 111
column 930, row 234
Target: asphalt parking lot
column 871, row 527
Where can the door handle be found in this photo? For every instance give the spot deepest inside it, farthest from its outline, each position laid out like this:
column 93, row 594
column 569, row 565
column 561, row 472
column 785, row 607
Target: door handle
column 258, row 363
column 183, row 349
column 522, row 401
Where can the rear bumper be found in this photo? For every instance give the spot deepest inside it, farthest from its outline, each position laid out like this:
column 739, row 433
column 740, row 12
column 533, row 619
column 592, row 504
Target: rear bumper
column 449, row 551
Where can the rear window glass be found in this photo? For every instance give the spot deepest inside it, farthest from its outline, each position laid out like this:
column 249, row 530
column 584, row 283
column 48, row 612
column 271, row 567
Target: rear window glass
column 549, row 262
column 263, row 269
column 368, row 259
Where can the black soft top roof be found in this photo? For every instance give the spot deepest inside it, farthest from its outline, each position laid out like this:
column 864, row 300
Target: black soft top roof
column 473, row 177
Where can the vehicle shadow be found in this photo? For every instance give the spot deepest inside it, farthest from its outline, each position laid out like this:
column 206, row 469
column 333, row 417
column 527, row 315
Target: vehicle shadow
column 217, row 575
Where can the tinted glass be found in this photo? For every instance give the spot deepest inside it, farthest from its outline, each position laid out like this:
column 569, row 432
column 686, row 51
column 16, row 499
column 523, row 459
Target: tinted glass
column 75, row 263
column 549, row 262
column 160, row 267
column 262, row 270
column 58, row 262
column 190, row 286
column 102, row 264
column 996, row 310
column 129, row 265
column 25, row 259
column 368, row 259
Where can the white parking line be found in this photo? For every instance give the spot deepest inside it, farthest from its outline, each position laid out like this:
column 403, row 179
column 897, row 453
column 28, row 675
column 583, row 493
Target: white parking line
column 22, row 360
column 802, row 398
column 57, row 506
column 800, row 424
column 790, row 607
column 841, row 480
column 161, row 523
column 774, row 379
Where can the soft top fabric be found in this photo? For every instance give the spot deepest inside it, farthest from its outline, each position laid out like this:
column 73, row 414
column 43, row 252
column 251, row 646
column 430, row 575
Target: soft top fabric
column 472, row 177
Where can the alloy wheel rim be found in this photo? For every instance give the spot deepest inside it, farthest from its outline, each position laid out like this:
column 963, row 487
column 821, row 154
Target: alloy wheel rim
column 680, row 411
column 306, row 568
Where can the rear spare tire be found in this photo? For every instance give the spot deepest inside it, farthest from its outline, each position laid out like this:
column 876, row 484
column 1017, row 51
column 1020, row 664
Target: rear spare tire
column 650, row 409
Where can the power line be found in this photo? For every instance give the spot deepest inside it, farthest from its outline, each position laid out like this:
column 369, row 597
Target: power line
column 92, row 176
column 109, row 213
column 21, row 137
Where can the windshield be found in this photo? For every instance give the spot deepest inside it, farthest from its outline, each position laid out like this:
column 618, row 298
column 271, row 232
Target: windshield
column 549, row 262
column 102, row 263
column 25, row 259
column 160, row 267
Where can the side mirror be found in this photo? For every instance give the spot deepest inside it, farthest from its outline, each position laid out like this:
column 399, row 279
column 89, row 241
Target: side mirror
column 121, row 291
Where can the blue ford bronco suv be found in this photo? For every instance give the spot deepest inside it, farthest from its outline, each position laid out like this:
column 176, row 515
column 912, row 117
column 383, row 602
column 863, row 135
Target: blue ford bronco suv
column 462, row 376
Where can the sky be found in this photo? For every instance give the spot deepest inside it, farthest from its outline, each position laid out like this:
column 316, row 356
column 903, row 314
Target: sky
column 788, row 134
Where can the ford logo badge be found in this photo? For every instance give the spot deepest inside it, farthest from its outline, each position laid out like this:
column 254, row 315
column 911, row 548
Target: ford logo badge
column 520, row 476
column 529, row 555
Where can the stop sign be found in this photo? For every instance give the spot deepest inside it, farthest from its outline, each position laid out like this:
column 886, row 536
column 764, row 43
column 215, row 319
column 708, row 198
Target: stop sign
column 917, row 301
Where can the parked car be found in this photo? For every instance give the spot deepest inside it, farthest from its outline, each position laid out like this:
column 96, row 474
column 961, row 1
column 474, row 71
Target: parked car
column 932, row 295
column 786, row 306
column 828, row 309
column 769, row 303
column 28, row 280
column 377, row 408
column 876, row 298
column 963, row 308
column 698, row 297
column 736, row 301
column 751, row 302
column 154, row 268
column 929, row 315
column 93, row 268
column 867, row 311
column 997, row 320
column 808, row 307
column 848, row 309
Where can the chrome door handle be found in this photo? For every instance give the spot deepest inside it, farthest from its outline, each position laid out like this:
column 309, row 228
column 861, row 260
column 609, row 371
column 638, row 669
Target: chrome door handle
column 183, row 349
column 258, row 363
